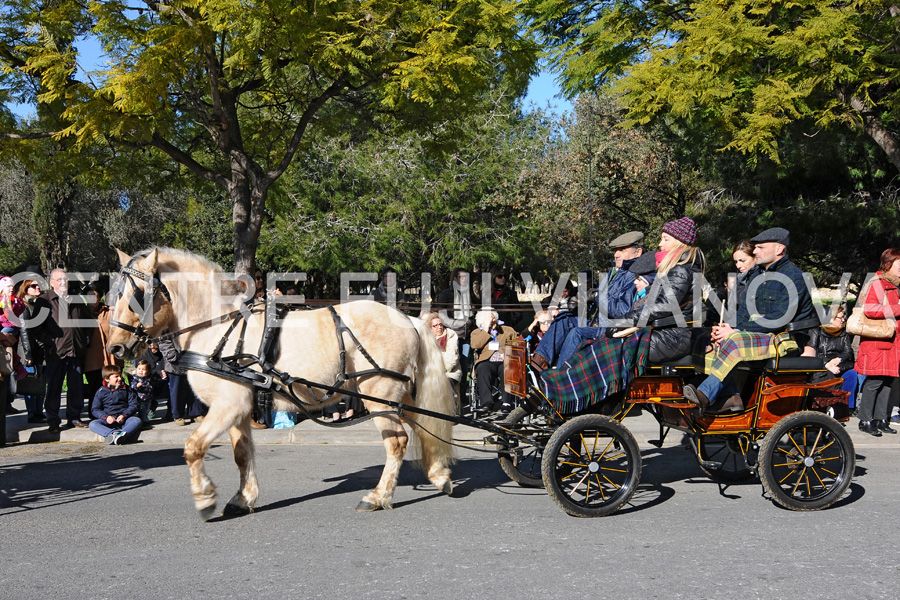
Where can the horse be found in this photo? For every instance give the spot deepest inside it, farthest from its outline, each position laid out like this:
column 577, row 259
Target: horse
column 190, row 296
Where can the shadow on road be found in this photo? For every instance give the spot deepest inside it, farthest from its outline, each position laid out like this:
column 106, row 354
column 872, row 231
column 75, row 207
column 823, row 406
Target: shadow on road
column 78, row 475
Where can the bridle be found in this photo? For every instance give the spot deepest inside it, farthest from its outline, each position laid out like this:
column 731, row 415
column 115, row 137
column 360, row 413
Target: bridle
column 139, row 296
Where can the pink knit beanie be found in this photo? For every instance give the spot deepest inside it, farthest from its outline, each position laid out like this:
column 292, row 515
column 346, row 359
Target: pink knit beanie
column 684, row 230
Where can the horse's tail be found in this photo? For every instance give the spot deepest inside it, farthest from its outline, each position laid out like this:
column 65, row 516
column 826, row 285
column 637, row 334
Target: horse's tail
column 433, row 392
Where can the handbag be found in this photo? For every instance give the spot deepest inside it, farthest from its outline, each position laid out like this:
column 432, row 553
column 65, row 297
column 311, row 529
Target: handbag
column 6, row 361
column 861, row 325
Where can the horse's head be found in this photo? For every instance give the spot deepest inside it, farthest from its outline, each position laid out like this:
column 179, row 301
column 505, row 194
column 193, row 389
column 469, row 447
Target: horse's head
column 142, row 305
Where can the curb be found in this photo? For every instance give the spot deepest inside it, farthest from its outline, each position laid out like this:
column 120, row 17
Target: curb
column 644, row 428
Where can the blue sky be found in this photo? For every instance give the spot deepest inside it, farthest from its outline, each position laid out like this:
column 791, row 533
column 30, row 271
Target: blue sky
column 543, row 90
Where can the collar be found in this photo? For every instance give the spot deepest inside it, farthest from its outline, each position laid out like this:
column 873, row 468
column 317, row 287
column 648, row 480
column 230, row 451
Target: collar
column 775, row 266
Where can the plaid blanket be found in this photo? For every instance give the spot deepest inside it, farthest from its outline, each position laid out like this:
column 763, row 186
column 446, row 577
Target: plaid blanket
column 746, row 345
column 601, row 367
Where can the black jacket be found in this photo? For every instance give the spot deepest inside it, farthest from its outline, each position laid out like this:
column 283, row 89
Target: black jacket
column 829, row 346
column 39, row 331
column 668, row 341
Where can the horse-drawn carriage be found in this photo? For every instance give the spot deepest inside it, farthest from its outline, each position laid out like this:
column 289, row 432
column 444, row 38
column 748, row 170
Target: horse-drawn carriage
column 587, row 459
column 590, row 463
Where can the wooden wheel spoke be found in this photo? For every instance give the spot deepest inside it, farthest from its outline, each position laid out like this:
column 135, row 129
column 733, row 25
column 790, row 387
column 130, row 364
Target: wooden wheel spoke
column 574, row 451
column 614, row 470
column 826, row 447
column 818, row 460
column 822, row 483
column 612, row 483
column 815, row 445
column 799, row 479
column 578, row 484
column 791, row 437
column 600, row 488
column 605, row 450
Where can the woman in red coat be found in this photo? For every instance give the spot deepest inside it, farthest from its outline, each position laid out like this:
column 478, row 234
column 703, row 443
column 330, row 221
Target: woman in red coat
column 878, row 359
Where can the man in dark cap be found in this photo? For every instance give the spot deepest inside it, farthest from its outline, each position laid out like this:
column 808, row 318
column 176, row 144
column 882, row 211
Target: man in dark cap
column 776, row 295
column 615, row 296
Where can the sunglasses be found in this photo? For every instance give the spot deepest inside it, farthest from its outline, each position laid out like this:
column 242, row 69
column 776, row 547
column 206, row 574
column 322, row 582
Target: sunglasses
column 34, row 285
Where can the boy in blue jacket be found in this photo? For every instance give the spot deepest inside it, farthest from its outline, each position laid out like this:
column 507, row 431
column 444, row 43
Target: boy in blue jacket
column 114, row 408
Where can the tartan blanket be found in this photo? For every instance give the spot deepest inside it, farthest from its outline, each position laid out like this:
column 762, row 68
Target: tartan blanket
column 746, row 345
column 601, row 367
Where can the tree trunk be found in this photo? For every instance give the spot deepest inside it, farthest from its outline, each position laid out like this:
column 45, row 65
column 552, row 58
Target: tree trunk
column 876, row 130
column 249, row 204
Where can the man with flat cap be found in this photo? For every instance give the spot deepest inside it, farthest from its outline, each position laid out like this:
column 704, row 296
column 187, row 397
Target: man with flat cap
column 776, row 295
column 614, row 298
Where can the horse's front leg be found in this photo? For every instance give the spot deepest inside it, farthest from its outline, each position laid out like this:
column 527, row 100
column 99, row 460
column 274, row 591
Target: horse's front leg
column 246, row 496
column 395, row 441
column 195, row 449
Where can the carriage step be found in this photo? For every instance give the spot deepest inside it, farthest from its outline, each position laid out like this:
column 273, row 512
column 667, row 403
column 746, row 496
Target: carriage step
column 711, row 465
column 678, row 402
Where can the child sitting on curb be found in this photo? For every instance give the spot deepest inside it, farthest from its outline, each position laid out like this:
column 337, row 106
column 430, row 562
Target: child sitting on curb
column 114, row 407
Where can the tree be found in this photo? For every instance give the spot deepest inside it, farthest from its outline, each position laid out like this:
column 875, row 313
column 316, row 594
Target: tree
column 603, row 180
column 365, row 200
column 749, row 68
column 230, row 89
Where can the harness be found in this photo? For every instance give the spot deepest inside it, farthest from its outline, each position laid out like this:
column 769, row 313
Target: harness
column 257, row 369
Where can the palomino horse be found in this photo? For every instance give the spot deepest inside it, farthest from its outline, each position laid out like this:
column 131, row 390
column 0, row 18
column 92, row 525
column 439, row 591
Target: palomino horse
column 166, row 289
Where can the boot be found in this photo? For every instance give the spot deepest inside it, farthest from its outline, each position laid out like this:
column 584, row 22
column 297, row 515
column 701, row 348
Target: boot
column 539, row 363
column 870, row 428
column 883, row 425
column 695, row 396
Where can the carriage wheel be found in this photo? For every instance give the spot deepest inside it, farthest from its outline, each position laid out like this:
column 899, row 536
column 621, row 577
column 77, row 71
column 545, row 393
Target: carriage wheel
column 806, row 461
column 523, row 463
column 725, row 450
column 591, row 466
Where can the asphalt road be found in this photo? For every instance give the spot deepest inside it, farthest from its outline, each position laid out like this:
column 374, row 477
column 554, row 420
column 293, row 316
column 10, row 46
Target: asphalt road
column 94, row 521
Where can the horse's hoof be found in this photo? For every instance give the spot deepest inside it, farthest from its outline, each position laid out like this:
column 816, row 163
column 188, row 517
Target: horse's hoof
column 367, row 507
column 207, row 513
column 236, row 509
column 447, row 488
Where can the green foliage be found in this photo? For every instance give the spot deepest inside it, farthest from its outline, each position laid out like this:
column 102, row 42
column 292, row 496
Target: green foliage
column 230, row 89
column 196, row 224
column 750, row 68
column 362, row 200
column 602, row 180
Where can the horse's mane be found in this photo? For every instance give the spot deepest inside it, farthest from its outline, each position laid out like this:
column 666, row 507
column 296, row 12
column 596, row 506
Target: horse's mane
column 175, row 259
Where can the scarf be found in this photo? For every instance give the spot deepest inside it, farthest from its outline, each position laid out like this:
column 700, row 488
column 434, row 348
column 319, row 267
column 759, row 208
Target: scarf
column 442, row 341
column 661, row 256
column 890, row 279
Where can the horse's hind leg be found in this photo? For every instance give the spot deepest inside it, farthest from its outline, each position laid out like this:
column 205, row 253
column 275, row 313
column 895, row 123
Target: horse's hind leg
column 243, row 501
column 395, row 441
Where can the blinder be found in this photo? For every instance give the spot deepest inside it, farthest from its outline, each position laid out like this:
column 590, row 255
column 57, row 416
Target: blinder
column 141, row 301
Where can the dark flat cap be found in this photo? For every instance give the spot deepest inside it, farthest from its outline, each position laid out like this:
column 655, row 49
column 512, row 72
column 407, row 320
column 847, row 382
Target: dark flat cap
column 644, row 264
column 626, row 240
column 774, row 234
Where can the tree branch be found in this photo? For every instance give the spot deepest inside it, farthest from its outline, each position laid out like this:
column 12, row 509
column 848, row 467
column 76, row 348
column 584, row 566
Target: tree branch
column 36, row 135
column 307, row 116
column 187, row 160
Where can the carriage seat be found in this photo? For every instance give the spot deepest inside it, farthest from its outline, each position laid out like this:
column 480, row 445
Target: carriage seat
column 685, row 362
column 785, row 364
column 672, row 367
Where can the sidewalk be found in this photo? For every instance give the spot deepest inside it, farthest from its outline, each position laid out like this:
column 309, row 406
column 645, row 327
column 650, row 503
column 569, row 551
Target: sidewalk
column 644, row 428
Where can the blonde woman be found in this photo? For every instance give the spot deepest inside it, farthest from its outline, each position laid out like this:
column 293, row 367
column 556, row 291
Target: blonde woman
column 677, row 262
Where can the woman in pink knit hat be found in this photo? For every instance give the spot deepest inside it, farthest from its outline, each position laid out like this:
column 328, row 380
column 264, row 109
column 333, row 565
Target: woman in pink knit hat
column 677, row 262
